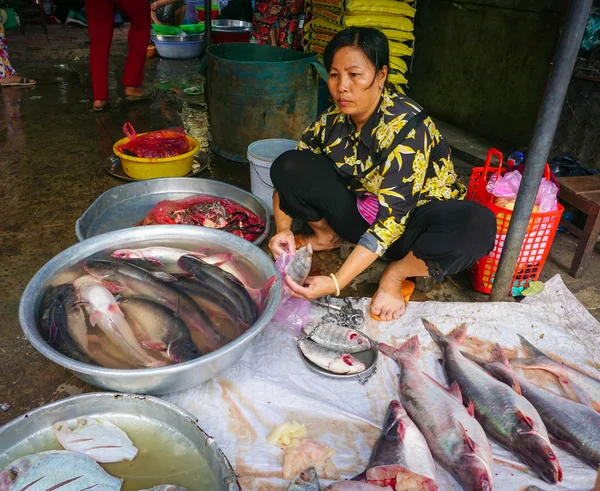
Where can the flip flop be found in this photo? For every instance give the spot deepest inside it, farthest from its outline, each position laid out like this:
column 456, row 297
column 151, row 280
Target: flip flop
column 23, row 82
column 407, row 289
column 300, row 241
column 196, row 90
column 146, row 96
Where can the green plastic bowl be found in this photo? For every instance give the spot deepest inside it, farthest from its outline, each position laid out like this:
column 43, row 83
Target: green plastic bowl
column 192, row 28
column 166, row 30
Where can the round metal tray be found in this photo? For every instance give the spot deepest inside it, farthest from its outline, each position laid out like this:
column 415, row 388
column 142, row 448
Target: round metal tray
column 126, row 205
column 113, row 166
column 230, row 25
column 369, row 358
column 31, row 432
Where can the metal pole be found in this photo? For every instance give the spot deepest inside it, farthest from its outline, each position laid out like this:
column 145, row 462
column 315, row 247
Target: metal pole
column 208, row 22
column 541, row 142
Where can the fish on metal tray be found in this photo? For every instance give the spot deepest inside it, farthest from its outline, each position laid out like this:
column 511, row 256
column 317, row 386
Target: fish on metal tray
column 133, row 281
column 158, row 328
column 401, row 457
column 334, row 361
column 506, row 416
column 574, row 426
column 578, row 385
column 338, row 338
column 307, row 480
column 299, row 266
column 226, row 284
column 99, row 439
column 106, row 314
column 57, row 469
column 455, row 438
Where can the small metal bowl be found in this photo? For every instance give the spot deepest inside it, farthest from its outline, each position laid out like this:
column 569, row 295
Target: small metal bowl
column 369, row 358
column 179, row 38
column 31, row 432
column 231, row 25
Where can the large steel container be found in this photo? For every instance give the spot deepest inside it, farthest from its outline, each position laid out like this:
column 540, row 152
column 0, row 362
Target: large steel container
column 151, row 380
column 28, row 432
column 256, row 92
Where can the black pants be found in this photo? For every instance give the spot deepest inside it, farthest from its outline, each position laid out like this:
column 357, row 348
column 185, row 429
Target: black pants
column 449, row 236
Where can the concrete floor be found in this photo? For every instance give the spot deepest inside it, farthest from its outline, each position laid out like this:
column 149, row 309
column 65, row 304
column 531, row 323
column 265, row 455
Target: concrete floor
column 51, row 169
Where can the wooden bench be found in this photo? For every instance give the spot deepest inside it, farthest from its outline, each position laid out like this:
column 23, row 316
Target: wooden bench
column 583, row 193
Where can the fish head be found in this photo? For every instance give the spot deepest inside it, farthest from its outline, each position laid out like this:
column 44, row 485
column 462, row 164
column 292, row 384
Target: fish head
column 357, row 339
column 105, row 272
column 476, row 473
column 346, row 363
column 539, row 455
column 127, row 254
column 182, row 351
column 307, row 480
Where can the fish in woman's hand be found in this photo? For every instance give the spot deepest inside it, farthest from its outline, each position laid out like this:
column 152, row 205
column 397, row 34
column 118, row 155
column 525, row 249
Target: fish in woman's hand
column 338, row 338
column 455, row 438
column 401, row 457
column 158, row 328
column 506, row 416
column 307, row 480
column 578, row 385
column 133, row 281
column 334, row 361
column 57, row 469
column 299, row 266
column 575, row 427
column 99, row 439
column 106, row 314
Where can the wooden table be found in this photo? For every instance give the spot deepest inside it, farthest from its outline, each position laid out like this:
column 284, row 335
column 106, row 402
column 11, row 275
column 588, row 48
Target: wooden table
column 582, row 192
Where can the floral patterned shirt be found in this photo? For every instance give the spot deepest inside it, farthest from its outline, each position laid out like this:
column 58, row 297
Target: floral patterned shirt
column 413, row 172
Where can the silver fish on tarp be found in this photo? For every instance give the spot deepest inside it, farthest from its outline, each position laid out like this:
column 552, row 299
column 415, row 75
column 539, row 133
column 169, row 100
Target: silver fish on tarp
column 101, row 440
column 506, row 416
column 299, row 266
column 400, row 455
column 338, row 338
column 307, row 480
column 356, row 486
column 57, row 469
column 334, row 361
column 455, row 438
column 158, row 328
column 578, row 385
column 575, row 427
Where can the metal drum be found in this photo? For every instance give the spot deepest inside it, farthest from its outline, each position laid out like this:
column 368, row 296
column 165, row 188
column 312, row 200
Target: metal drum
column 256, row 92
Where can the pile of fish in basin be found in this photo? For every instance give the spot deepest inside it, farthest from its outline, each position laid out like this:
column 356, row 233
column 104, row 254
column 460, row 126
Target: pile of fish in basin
column 152, row 309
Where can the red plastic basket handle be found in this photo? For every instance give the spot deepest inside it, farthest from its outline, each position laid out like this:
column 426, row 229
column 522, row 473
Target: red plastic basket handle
column 492, row 152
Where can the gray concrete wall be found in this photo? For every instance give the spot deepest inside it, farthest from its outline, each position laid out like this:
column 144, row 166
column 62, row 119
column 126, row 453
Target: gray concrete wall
column 483, row 64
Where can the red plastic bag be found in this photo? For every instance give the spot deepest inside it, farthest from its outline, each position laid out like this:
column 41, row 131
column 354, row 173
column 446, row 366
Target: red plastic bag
column 156, row 144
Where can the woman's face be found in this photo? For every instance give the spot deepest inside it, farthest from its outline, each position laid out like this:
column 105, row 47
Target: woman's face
column 353, row 83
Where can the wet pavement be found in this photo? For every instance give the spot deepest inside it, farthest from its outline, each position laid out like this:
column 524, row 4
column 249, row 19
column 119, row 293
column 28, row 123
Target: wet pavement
column 53, row 150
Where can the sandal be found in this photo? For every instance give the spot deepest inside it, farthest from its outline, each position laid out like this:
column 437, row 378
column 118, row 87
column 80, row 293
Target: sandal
column 99, row 108
column 23, row 82
column 407, row 289
column 145, row 96
column 300, row 240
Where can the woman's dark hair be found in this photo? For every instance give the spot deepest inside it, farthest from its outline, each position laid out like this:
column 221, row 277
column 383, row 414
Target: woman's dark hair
column 373, row 43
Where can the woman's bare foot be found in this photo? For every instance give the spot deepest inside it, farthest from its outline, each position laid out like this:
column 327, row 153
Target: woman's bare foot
column 321, row 242
column 99, row 105
column 134, row 92
column 389, row 302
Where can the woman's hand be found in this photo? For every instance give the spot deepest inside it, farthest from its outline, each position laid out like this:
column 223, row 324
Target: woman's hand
column 282, row 242
column 316, row 286
column 158, row 4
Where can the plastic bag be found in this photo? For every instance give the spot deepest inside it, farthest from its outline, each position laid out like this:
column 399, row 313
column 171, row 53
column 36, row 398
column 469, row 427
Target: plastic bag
column 159, row 144
column 292, row 312
column 506, row 187
column 566, row 164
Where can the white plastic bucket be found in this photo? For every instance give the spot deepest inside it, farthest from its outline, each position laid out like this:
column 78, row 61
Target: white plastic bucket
column 261, row 155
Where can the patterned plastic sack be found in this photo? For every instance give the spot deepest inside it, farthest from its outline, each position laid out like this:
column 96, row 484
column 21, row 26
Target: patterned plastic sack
column 380, row 6
column 364, row 19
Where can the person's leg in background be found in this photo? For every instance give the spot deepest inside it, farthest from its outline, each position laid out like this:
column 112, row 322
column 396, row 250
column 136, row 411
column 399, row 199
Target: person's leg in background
column 289, row 24
column 138, row 13
column 266, row 13
column 100, row 15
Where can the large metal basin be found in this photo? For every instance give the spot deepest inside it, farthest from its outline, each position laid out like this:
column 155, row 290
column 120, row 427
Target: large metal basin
column 124, row 206
column 28, row 432
column 150, row 380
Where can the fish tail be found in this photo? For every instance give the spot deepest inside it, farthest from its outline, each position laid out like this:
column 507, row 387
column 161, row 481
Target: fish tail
column 457, row 335
column 534, row 355
column 499, row 356
column 410, row 347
